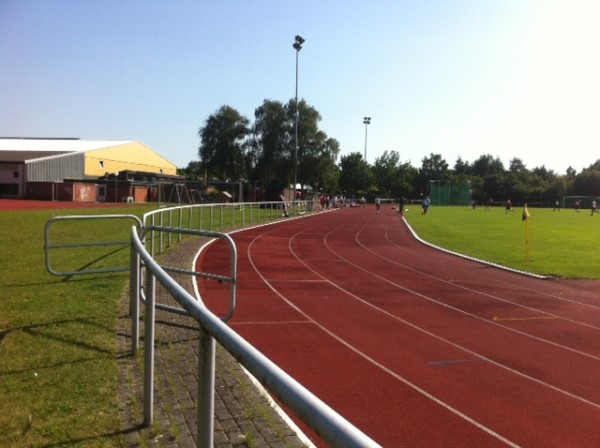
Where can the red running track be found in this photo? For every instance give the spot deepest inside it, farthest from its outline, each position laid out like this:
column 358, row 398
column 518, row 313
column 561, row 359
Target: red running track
column 414, row 346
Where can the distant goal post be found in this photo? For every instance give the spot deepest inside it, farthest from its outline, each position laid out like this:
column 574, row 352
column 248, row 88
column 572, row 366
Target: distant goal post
column 445, row 192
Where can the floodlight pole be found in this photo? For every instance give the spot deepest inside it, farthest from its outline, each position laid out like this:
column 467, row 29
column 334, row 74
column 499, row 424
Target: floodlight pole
column 367, row 122
column 297, row 46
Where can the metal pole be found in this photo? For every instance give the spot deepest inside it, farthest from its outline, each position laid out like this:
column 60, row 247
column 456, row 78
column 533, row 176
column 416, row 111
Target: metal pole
column 367, row 122
column 299, row 40
column 366, row 141
column 296, row 144
column 149, row 348
column 134, row 299
column 206, row 390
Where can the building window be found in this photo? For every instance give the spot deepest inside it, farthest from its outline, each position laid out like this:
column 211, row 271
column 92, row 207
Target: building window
column 15, row 174
column 101, row 164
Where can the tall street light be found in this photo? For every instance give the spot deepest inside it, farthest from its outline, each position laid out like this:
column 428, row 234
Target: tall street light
column 297, row 46
column 367, row 122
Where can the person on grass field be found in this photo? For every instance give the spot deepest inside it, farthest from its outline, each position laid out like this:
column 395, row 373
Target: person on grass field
column 594, row 209
column 425, row 205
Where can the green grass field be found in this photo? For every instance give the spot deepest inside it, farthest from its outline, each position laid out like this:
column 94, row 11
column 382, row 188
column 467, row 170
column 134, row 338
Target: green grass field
column 58, row 366
column 562, row 244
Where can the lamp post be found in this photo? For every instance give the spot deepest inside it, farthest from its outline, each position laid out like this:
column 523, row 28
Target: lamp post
column 367, row 122
column 297, row 46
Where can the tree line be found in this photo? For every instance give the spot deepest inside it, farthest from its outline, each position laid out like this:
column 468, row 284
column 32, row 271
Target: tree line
column 263, row 154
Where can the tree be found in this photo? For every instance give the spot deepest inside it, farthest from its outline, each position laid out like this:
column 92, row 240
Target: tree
column 355, row 175
column 391, row 176
column 587, row 183
column 313, row 144
column 492, row 179
column 571, row 173
column 516, row 166
column 271, row 158
column 594, row 166
column 223, row 140
column 433, row 167
column 486, row 165
column 321, row 170
column 193, row 171
column 462, row 169
column 326, row 175
column 521, row 185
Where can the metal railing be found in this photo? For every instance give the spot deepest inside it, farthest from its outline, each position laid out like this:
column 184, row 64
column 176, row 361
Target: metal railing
column 145, row 271
column 324, row 421
column 214, row 217
column 50, row 247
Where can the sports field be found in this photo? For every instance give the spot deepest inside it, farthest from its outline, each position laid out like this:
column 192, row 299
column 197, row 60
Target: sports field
column 555, row 243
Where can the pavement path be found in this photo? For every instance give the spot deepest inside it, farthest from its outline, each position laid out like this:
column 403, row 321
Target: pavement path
column 243, row 418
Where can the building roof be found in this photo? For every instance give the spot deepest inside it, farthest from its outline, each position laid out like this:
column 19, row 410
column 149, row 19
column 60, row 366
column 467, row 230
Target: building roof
column 24, row 149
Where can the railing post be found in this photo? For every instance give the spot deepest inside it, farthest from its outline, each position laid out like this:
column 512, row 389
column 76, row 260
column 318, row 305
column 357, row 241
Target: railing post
column 206, row 390
column 170, row 225
column 150, row 290
column 134, row 299
column 160, row 234
column 180, row 224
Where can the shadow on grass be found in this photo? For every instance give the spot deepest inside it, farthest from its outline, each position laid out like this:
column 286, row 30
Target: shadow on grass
column 42, row 331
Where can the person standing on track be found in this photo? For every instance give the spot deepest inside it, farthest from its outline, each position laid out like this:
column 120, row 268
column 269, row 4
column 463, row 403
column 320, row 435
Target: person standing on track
column 284, row 207
column 377, row 203
column 401, row 205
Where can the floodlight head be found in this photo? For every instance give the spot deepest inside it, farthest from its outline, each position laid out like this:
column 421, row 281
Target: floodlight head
column 367, row 120
column 299, row 39
column 297, row 46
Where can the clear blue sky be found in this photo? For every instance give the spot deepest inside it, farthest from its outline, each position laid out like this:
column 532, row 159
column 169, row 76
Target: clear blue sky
column 510, row 78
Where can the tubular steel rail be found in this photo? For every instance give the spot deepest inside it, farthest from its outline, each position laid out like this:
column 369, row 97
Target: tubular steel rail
column 138, row 294
column 324, row 421
column 214, row 217
column 48, row 247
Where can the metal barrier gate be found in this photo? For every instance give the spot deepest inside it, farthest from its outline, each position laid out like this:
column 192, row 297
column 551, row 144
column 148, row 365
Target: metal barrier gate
column 48, row 247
